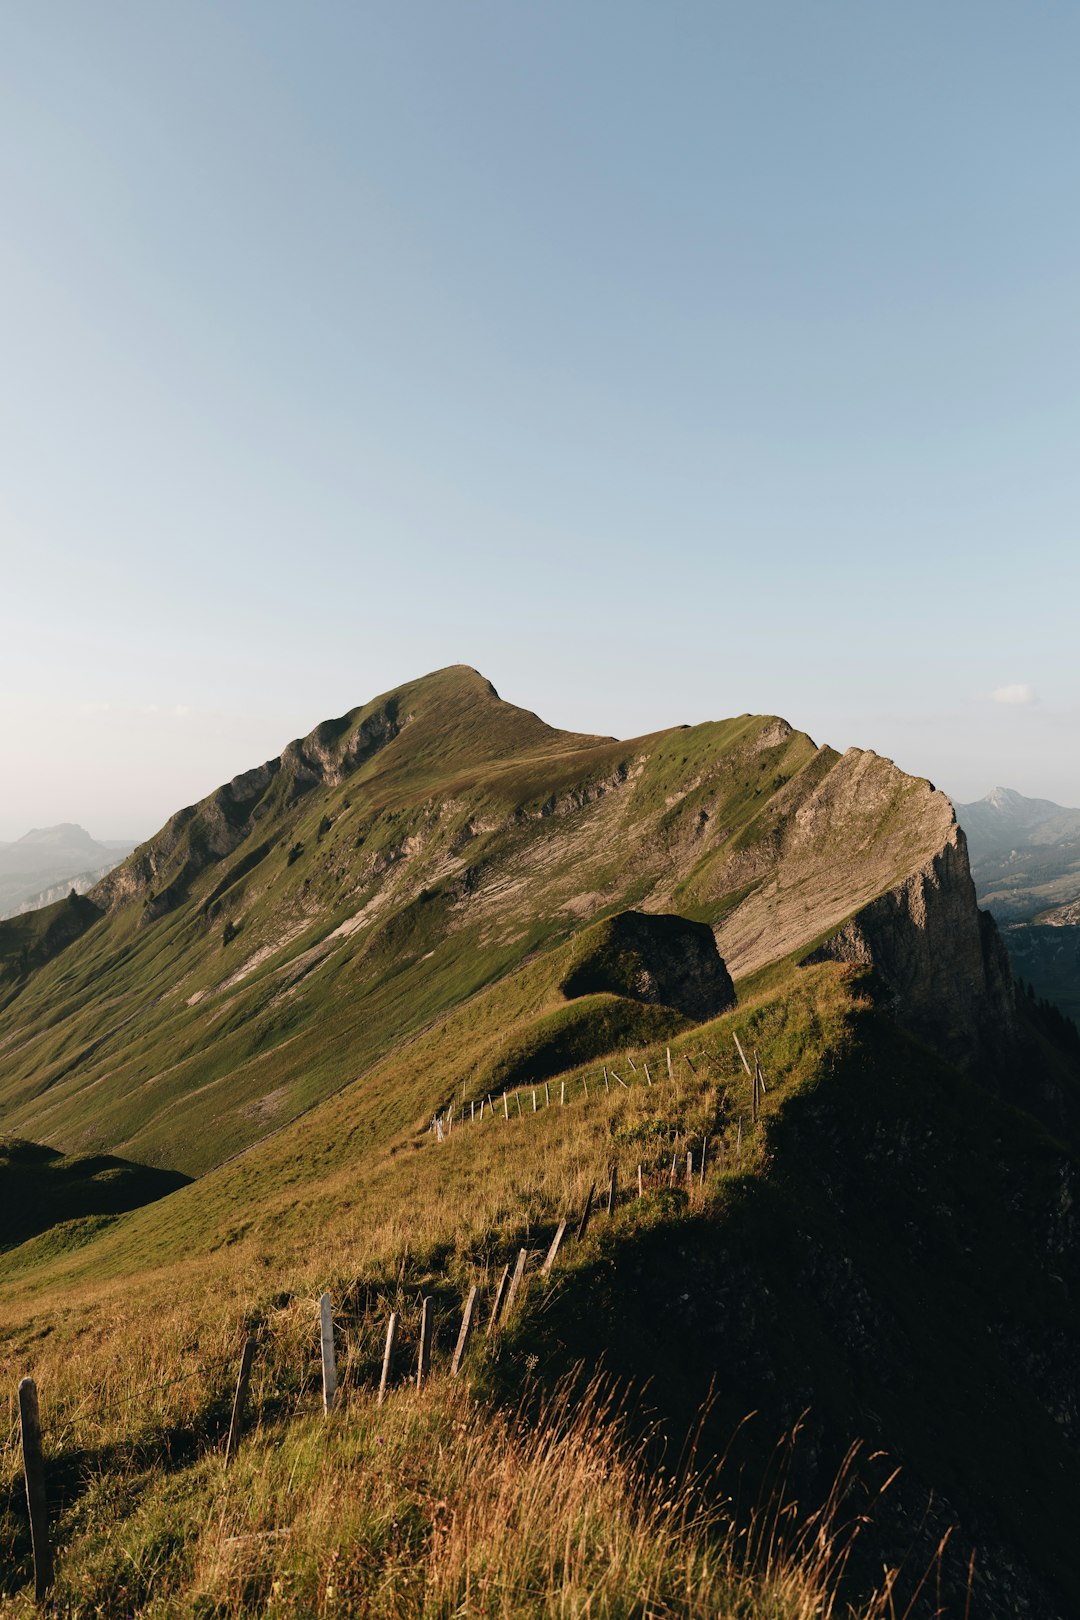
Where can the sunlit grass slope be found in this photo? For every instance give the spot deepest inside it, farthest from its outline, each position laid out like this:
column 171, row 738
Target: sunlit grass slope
column 434, row 1501
column 847, row 1254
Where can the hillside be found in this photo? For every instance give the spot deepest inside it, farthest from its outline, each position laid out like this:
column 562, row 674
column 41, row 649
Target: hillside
column 438, row 907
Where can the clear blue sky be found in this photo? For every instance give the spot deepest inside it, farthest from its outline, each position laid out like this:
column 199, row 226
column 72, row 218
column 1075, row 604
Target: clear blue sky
column 662, row 361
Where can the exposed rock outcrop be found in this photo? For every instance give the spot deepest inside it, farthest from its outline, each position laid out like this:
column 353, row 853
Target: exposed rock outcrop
column 666, row 960
column 938, row 959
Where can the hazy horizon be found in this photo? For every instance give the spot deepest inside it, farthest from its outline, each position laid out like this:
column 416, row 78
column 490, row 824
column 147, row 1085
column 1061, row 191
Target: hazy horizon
column 663, row 364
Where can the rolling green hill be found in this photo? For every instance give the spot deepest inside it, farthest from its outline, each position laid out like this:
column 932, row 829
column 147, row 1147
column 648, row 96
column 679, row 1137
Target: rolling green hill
column 439, row 909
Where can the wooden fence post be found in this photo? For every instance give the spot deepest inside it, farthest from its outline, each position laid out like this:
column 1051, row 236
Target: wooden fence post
column 704, row 1150
column 670, row 1075
column 671, row 1177
column 586, row 1212
column 326, row 1344
column 547, row 1095
column 34, row 1473
column 612, row 1189
column 388, row 1354
column 631, row 1062
column 500, row 1299
column 585, row 1083
column 534, row 1099
column 553, row 1251
column 648, row 1076
column 515, row 1281
column 760, row 1073
column 742, row 1054
column 239, row 1397
column 423, row 1357
column 466, row 1332
column 738, row 1142
column 562, row 1092
column 517, row 1099
column 506, row 1107
column 640, row 1191
column 690, row 1171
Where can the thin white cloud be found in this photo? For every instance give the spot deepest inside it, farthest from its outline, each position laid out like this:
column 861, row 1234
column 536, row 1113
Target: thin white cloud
column 1017, row 695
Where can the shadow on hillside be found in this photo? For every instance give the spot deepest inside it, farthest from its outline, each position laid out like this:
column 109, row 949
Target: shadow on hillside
column 42, row 1190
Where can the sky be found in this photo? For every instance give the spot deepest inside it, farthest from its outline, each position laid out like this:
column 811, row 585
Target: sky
column 662, row 361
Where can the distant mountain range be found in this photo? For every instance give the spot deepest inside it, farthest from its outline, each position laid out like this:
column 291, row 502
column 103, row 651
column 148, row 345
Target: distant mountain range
column 47, row 863
column 1025, row 860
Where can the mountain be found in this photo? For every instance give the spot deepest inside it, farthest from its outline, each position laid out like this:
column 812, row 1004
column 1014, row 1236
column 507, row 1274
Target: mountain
column 561, row 948
column 411, row 852
column 1025, row 860
column 45, row 864
column 1025, row 853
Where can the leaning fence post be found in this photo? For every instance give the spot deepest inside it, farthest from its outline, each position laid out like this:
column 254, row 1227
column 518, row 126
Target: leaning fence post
column 648, row 1076
column 500, row 1299
column 671, row 1177
column 326, row 1344
column 515, row 1281
column 586, row 1212
column 466, row 1331
column 742, row 1054
column 239, row 1397
column 704, row 1149
column 553, row 1251
column 423, row 1357
column 388, row 1354
column 34, row 1471
column 612, row 1189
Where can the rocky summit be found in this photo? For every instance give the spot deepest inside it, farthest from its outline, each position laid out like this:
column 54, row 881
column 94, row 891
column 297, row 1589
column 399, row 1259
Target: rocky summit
column 384, row 1014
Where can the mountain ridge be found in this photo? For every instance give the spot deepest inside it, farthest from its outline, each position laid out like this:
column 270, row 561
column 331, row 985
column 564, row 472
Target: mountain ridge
column 437, row 822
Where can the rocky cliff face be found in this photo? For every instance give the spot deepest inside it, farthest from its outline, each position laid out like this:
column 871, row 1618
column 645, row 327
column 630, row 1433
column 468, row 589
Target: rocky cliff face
column 939, row 962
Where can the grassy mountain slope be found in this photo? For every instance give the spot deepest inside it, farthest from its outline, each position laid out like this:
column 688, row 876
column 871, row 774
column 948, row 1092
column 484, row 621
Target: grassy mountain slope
column 438, row 906
column 272, row 942
column 891, row 1246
